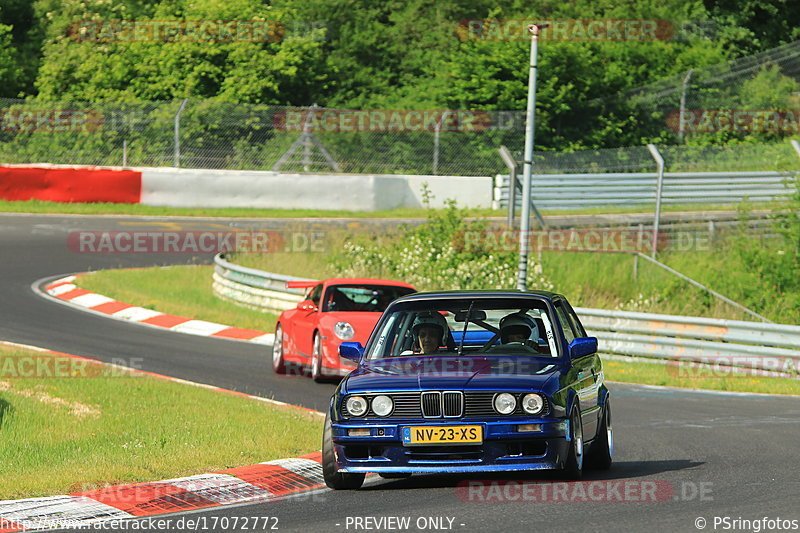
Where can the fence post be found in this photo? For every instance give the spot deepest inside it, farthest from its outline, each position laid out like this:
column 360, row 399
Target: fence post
column 177, row 154
column 511, row 163
column 436, row 134
column 796, row 146
column 124, row 152
column 659, row 189
column 681, row 124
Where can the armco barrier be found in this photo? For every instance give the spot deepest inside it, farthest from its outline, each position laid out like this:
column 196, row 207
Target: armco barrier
column 771, row 347
column 256, row 289
column 573, row 191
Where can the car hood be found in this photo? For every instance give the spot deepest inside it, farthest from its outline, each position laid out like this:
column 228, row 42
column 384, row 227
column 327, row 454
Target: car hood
column 362, row 322
column 452, row 373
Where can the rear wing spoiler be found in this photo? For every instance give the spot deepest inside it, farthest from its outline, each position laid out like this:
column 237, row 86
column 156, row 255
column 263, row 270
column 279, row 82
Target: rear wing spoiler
column 302, row 284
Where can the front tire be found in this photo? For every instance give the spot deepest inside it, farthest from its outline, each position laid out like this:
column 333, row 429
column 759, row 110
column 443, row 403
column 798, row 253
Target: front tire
column 278, row 363
column 330, row 472
column 602, row 450
column 573, row 467
column 316, row 360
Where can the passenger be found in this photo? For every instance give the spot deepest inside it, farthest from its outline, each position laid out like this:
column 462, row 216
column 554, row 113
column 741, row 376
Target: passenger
column 516, row 328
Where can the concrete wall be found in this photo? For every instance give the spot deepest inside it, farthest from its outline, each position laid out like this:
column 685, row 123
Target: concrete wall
column 237, row 188
column 352, row 192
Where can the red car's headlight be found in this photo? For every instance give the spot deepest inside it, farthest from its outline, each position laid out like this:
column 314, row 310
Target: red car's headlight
column 344, row 331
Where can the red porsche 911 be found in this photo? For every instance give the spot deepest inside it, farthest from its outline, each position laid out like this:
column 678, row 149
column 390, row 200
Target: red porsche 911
column 334, row 310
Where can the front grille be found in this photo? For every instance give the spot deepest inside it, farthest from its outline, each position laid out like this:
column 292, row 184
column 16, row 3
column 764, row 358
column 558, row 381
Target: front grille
column 431, row 404
column 405, row 406
column 453, row 404
column 446, row 404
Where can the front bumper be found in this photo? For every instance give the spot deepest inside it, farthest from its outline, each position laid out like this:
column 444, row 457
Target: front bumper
column 504, row 448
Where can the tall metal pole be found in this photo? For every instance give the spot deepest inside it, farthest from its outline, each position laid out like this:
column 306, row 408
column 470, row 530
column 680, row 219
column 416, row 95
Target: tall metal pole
column 525, row 218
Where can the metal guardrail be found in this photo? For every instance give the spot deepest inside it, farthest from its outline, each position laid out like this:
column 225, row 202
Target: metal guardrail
column 256, row 289
column 725, row 343
column 566, row 191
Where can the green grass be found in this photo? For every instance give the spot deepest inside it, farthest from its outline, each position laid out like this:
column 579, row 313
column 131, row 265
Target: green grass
column 87, row 426
column 38, row 206
column 671, row 375
column 177, row 290
column 606, row 281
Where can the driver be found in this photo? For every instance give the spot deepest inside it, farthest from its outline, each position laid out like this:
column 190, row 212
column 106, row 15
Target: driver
column 516, row 328
column 430, row 332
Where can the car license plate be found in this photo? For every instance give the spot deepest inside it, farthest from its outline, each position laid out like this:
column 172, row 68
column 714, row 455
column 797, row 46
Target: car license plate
column 413, row 435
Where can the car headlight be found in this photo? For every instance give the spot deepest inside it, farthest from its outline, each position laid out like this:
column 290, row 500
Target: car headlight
column 382, row 405
column 344, row 330
column 533, row 403
column 505, row 403
column 356, row 405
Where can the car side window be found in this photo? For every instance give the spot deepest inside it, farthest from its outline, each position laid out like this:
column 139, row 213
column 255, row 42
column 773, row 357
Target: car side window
column 576, row 323
column 316, row 294
column 566, row 324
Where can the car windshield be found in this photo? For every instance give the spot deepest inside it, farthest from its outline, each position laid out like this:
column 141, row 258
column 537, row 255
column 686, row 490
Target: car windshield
column 503, row 326
column 364, row 298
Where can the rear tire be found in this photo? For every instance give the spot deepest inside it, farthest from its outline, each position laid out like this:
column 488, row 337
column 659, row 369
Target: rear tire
column 278, row 364
column 330, row 472
column 601, row 452
column 573, row 467
column 316, row 360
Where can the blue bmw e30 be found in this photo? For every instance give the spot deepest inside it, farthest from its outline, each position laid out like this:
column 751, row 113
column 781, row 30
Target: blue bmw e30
column 470, row 381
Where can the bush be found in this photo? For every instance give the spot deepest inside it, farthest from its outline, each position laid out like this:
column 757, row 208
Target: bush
column 433, row 256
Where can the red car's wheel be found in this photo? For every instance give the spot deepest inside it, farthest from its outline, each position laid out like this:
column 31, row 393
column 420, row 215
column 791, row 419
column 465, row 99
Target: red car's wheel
column 278, row 364
column 316, row 360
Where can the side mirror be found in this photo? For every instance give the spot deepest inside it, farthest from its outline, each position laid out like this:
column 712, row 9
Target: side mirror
column 582, row 346
column 307, row 305
column 352, row 351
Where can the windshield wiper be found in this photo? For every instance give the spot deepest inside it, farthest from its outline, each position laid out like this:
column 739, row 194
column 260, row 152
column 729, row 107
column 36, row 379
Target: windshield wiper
column 466, row 323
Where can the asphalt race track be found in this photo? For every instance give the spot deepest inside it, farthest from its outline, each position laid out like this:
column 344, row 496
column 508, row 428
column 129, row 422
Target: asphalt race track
column 708, row 455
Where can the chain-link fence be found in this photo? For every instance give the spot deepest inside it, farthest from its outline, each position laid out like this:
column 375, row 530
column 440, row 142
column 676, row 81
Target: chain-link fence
column 778, row 156
column 755, row 100
column 756, row 97
column 211, row 134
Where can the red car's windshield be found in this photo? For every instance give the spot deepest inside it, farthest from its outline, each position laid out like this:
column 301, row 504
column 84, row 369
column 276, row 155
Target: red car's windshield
column 363, row 298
